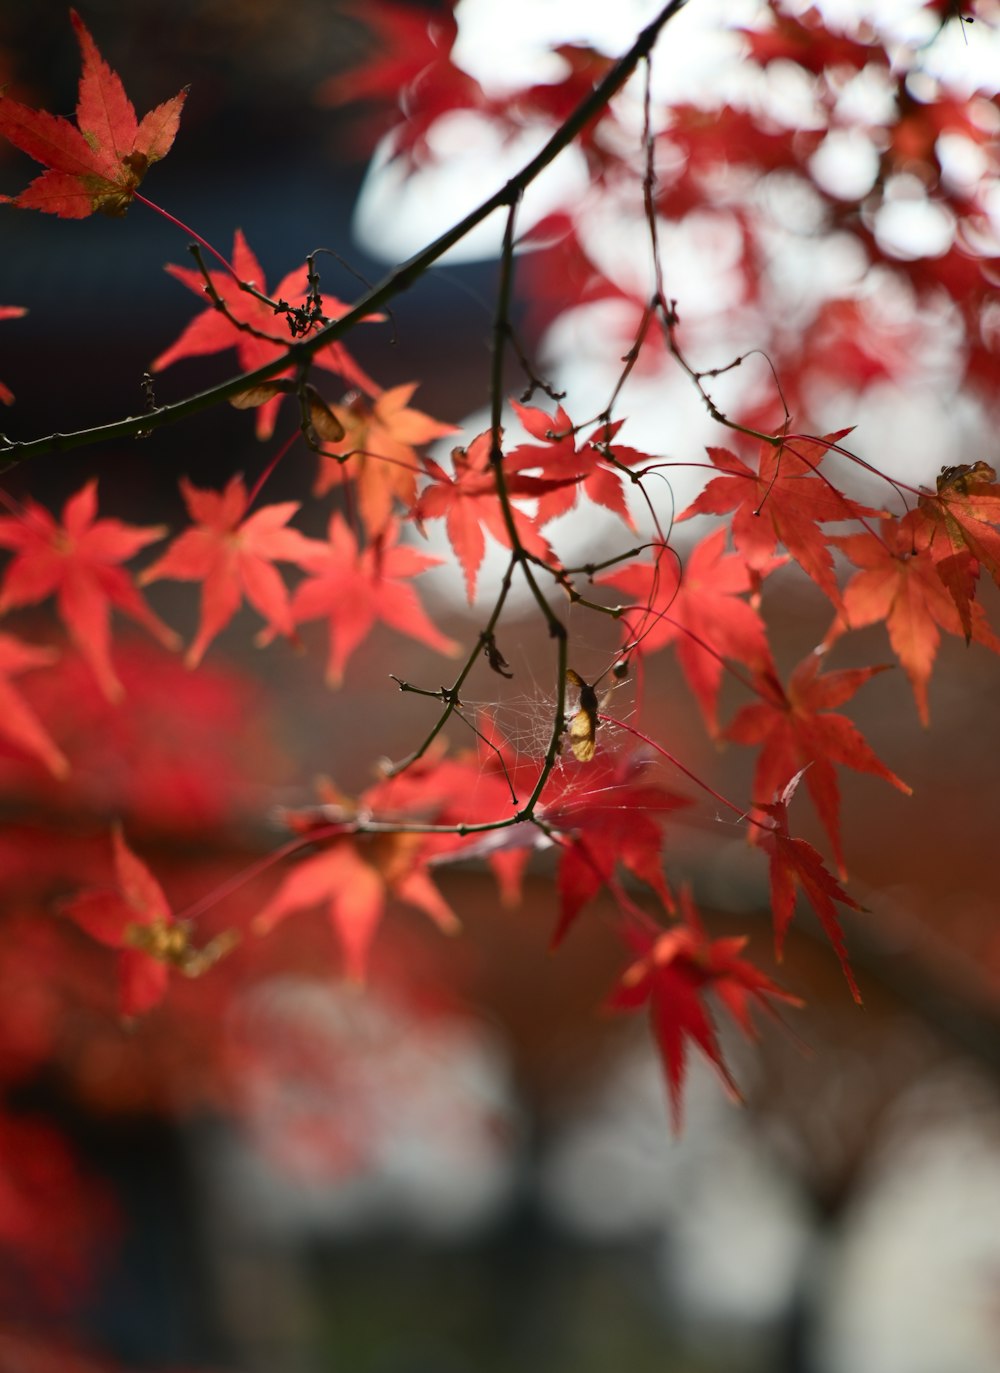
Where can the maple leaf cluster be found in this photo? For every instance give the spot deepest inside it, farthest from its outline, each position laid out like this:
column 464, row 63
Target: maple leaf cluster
column 596, row 797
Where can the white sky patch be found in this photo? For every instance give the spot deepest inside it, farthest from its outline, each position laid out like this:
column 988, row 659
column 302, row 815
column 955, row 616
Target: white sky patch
column 399, row 211
column 698, row 59
column 909, row 225
column 845, row 164
column 508, row 46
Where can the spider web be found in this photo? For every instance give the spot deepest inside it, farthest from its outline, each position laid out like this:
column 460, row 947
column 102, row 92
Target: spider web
column 520, row 722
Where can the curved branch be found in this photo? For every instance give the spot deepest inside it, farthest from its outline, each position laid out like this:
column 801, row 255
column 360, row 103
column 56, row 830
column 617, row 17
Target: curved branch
column 400, row 279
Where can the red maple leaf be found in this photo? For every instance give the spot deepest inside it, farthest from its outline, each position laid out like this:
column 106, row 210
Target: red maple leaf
column 783, row 501
column 355, row 875
column 602, row 814
column 588, row 467
column 354, row 879
column 135, row 917
column 698, row 609
column 9, row 312
column 956, row 526
column 676, row 971
column 233, row 554
column 795, row 863
column 98, row 163
column 353, row 589
column 899, row 583
column 215, row 330
column 18, row 722
column 78, row 562
column 610, row 815
column 798, row 731
column 469, row 502
column 378, row 453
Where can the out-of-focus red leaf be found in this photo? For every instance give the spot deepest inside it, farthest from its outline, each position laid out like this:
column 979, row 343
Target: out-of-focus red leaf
column 233, row 554
column 78, row 562
column 9, row 312
column 18, row 722
column 352, row 590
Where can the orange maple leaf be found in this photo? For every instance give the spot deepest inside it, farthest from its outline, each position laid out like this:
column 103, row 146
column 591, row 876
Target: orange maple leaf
column 783, row 501
column 97, row 163
column 956, row 526
column 378, row 452
column 899, row 583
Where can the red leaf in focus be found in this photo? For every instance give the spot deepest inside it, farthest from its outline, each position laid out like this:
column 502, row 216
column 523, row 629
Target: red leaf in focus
column 900, row 584
column 213, row 330
column 700, row 611
column 794, row 864
column 676, row 972
column 233, row 555
column 955, row 526
column 98, row 163
column 18, row 722
column 783, row 501
column 78, row 563
column 558, row 458
column 469, row 501
column 799, row 732
column 602, row 813
column 611, row 816
column 353, row 589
